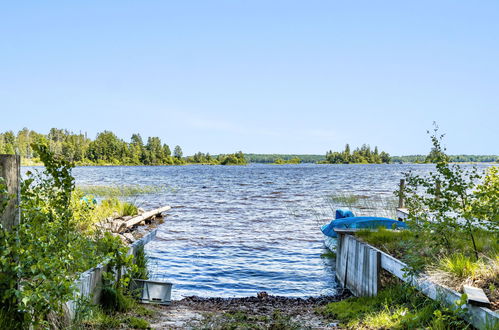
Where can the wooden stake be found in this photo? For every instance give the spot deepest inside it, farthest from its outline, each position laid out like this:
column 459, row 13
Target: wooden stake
column 10, row 171
column 401, row 194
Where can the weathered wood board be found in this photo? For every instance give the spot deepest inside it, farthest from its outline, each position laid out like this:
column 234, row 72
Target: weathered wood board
column 357, row 266
column 476, row 296
column 146, row 215
column 10, row 166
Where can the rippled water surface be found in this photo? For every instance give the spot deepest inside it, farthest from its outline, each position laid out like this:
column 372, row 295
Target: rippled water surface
column 238, row 230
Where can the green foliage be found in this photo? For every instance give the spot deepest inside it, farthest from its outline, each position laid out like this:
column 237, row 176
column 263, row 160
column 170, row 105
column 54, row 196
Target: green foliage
column 45, row 252
column 486, row 203
column 41, row 258
column 395, row 307
column 391, row 241
column 120, row 190
column 114, row 300
column 452, row 159
column 141, row 261
column 106, row 149
column 362, row 155
column 294, row 160
column 459, row 265
column 271, row 158
column 138, row 323
column 329, row 254
column 448, row 201
column 232, row 159
column 4, row 195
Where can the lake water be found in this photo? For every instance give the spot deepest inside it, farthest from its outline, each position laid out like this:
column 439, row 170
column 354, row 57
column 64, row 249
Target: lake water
column 238, row 230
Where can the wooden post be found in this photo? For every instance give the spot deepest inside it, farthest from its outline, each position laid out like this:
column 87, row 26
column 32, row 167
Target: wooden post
column 10, row 171
column 401, row 194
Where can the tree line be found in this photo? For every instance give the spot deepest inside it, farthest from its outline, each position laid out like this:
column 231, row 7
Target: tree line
column 362, row 155
column 422, row 159
column 108, row 149
column 105, row 149
column 275, row 158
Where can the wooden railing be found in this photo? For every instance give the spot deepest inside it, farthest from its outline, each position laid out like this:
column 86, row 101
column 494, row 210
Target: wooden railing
column 358, row 266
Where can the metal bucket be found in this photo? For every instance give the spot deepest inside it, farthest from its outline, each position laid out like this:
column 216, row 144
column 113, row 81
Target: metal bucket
column 152, row 292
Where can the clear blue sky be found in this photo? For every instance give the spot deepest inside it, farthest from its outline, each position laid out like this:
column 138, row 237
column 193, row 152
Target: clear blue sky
column 257, row 76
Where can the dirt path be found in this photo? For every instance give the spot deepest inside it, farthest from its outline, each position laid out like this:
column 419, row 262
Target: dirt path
column 261, row 312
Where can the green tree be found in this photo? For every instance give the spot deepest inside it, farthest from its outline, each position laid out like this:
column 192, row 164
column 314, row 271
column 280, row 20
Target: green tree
column 106, row 147
column 177, row 152
column 444, row 202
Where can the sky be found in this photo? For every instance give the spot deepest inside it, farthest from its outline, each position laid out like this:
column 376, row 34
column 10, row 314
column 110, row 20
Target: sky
column 264, row 76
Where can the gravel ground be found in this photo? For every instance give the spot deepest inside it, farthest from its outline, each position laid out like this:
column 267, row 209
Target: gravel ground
column 260, row 312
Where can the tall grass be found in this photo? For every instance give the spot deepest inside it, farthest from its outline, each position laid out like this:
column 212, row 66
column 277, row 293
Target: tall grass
column 460, row 265
column 120, row 190
column 361, row 205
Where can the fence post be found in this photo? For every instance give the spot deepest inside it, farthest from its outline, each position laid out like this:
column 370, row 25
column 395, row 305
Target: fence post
column 10, row 171
column 401, row 194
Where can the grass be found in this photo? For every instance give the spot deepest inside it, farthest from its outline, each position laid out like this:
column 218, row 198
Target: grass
column 90, row 316
column 141, row 261
column 7, row 321
column 329, row 254
column 459, row 265
column 137, row 323
column 119, row 190
column 361, row 205
column 395, row 307
column 87, row 212
column 389, row 241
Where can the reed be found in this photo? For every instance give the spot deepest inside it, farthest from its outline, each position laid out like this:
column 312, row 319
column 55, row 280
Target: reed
column 120, row 190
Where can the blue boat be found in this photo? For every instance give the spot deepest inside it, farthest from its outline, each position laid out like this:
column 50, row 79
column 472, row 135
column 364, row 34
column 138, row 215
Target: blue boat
column 345, row 219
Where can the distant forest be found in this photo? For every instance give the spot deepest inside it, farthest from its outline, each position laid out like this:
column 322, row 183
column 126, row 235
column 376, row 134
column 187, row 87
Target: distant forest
column 452, row 158
column 108, row 149
column 275, row 158
column 362, row 155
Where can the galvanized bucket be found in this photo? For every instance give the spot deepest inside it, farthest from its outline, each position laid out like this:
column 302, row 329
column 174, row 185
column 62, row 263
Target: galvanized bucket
column 153, row 292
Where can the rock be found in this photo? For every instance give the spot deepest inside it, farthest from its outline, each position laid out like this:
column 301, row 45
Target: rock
column 129, row 237
column 118, row 226
column 137, row 235
column 123, row 239
column 262, row 295
column 104, row 225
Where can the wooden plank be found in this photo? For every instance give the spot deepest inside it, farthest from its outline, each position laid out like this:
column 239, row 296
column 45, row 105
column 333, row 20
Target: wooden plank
column 476, row 296
column 10, row 171
column 401, row 193
column 339, row 260
column 145, row 216
column 344, row 260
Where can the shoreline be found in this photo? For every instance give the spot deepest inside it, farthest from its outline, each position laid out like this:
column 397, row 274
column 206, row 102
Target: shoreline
column 260, row 311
